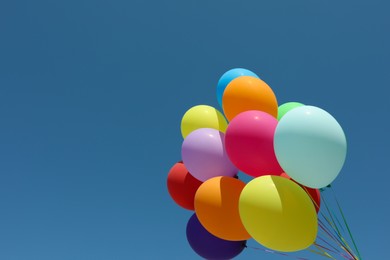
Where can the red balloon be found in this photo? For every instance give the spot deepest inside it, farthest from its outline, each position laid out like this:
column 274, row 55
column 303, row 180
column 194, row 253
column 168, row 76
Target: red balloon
column 249, row 142
column 182, row 186
column 313, row 193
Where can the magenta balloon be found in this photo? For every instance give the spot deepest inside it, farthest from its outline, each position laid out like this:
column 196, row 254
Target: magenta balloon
column 203, row 153
column 250, row 143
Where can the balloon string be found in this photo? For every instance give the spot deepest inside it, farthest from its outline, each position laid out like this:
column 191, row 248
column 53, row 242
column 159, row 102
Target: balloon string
column 345, row 221
column 316, row 204
column 334, row 225
column 331, row 217
column 330, row 245
column 342, row 242
column 329, row 233
column 331, row 223
column 322, row 248
column 353, row 257
column 277, row 253
column 324, row 252
column 341, row 226
column 349, row 248
column 339, row 242
column 330, row 250
column 318, row 207
column 331, row 236
column 318, row 253
column 334, row 215
column 345, row 243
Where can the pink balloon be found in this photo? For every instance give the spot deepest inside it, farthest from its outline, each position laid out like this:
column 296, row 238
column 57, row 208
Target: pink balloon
column 204, row 155
column 249, row 143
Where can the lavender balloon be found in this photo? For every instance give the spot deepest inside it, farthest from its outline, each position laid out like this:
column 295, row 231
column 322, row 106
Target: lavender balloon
column 209, row 246
column 204, row 155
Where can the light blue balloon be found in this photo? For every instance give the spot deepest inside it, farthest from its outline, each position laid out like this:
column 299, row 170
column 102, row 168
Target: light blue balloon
column 310, row 146
column 229, row 76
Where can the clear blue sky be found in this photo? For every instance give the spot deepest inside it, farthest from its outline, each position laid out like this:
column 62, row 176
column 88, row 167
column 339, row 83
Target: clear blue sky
column 92, row 94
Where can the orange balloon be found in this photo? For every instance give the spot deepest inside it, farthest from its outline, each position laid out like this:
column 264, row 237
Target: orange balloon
column 216, row 206
column 248, row 93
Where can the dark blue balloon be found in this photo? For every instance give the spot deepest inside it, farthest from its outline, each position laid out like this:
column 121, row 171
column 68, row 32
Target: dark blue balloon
column 209, row 246
column 229, row 76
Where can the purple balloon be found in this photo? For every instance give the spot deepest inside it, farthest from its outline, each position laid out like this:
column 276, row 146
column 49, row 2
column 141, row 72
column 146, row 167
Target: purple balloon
column 204, row 155
column 209, row 246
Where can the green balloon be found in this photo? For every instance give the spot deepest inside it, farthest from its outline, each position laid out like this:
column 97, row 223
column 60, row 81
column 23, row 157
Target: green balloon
column 283, row 109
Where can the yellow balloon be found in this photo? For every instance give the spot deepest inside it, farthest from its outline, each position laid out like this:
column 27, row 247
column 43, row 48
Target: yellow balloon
column 278, row 214
column 202, row 116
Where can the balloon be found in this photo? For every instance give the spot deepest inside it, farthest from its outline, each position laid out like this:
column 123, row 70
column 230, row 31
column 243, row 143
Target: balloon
column 229, row 76
column 216, row 206
column 202, row 116
column 310, row 145
column 283, row 109
column 314, row 194
column 250, row 143
column 182, row 186
column 209, row 246
column 278, row 214
column 248, row 93
column 203, row 153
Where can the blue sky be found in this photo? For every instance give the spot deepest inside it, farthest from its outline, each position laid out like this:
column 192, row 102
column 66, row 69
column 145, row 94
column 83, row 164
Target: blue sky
column 92, row 94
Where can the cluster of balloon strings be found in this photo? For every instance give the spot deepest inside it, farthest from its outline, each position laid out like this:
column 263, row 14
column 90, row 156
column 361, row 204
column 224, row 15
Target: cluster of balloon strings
column 291, row 153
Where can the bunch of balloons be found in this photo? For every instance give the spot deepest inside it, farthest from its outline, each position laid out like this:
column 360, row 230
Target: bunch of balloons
column 289, row 151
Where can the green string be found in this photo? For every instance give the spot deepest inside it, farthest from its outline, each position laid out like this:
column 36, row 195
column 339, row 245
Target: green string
column 331, row 216
column 346, row 224
column 334, row 216
column 328, row 233
column 343, row 243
